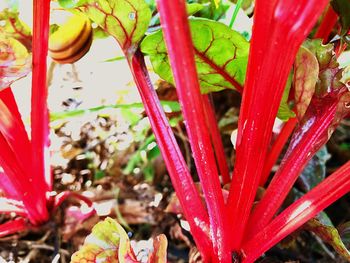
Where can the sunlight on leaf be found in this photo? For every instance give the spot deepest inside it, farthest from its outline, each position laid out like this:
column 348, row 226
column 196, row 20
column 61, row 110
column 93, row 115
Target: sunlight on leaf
column 125, row 20
column 15, row 61
column 284, row 112
column 221, row 55
column 13, row 27
column 109, row 243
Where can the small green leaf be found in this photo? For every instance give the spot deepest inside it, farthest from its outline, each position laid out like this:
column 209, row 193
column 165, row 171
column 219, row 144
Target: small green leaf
column 125, row 20
column 193, row 8
column 70, row 3
column 342, row 8
column 284, row 111
column 221, row 55
column 329, row 234
column 306, row 71
column 315, row 171
column 108, row 242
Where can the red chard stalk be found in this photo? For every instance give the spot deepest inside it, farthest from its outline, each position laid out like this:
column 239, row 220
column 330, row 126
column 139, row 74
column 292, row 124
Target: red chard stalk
column 278, row 31
column 39, row 111
column 178, row 40
column 322, row 117
column 307, row 207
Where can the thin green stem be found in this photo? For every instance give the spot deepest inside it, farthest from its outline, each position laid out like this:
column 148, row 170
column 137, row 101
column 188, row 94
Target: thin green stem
column 235, row 13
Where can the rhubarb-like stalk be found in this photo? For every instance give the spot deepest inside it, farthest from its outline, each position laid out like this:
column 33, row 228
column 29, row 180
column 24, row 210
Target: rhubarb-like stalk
column 278, row 31
column 186, row 191
column 308, row 206
column 277, row 148
column 327, row 24
column 216, row 139
column 39, row 113
column 306, row 141
column 176, row 30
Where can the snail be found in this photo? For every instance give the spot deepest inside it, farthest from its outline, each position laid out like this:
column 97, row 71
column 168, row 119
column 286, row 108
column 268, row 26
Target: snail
column 71, row 41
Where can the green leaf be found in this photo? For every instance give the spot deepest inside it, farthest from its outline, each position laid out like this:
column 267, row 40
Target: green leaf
column 342, row 8
column 15, row 28
column 70, row 3
column 306, row 70
column 125, row 20
column 108, row 242
column 284, row 111
column 329, row 234
column 193, row 8
column 345, row 79
column 315, row 171
column 221, row 55
column 15, row 61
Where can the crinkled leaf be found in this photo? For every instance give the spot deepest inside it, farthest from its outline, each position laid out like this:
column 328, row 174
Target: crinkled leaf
column 13, row 27
column 284, row 112
column 328, row 234
column 330, row 74
column 306, row 70
column 221, row 55
column 15, row 61
column 315, row 171
column 125, row 20
column 342, row 8
column 108, row 242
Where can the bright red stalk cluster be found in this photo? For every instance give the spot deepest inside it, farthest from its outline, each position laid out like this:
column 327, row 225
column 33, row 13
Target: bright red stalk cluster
column 278, row 31
column 178, row 40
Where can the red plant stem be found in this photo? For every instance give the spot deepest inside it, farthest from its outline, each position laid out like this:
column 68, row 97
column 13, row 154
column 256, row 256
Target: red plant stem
column 278, row 31
column 39, row 112
column 308, row 206
column 327, row 24
column 185, row 188
column 13, row 226
column 176, row 30
column 61, row 197
column 307, row 140
column 277, row 148
column 216, row 138
column 18, row 177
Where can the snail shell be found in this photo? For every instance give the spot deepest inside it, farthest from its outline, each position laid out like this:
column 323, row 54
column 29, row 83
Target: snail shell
column 71, row 41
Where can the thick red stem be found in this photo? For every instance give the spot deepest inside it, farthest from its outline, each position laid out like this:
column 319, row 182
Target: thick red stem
column 308, row 206
column 306, row 141
column 176, row 30
column 39, row 112
column 327, row 24
column 11, row 227
column 278, row 31
column 277, row 148
column 185, row 188
column 216, row 140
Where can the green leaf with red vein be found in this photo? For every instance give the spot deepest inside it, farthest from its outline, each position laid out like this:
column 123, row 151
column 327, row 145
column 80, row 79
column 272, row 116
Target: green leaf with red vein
column 15, row 28
column 15, row 61
column 329, row 234
column 109, row 243
column 125, row 20
column 306, row 71
column 221, row 55
column 284, row 112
